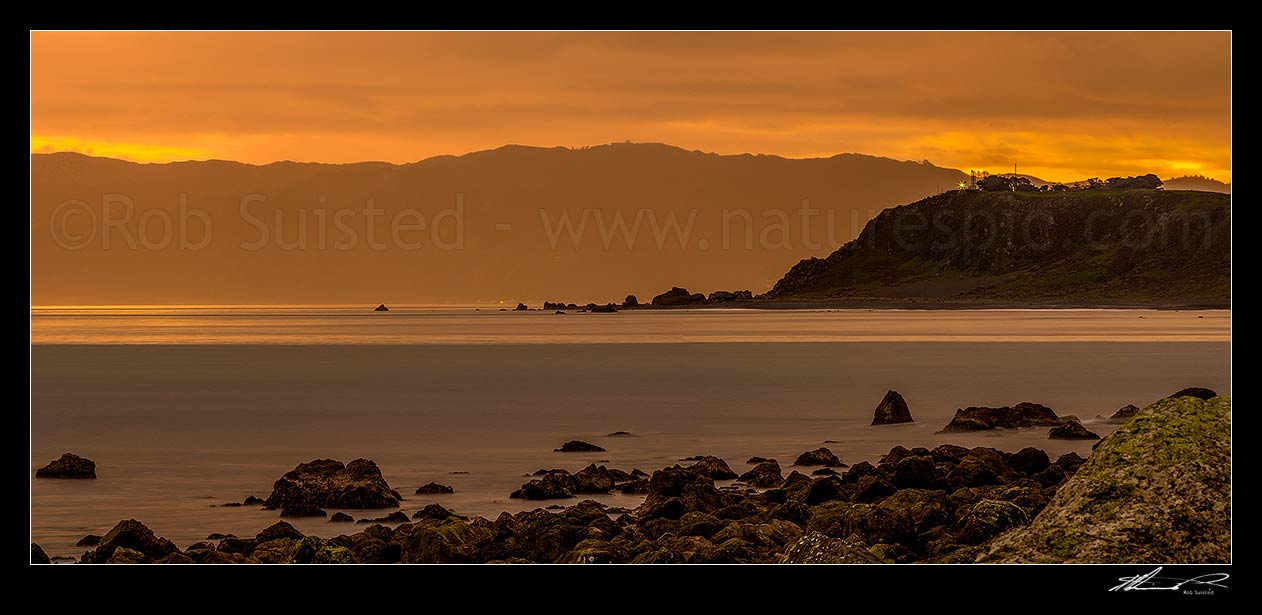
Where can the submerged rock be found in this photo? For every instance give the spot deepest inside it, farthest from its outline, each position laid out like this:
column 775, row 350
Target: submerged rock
column 553, row 486
column 433, row 488
column 818, row 457
column 1071, row 429
column 395, row 517
column 329, row 483
column 892, row 410
column 1123, row 414
column 434, row 511
column 302, row 509
column 68, row 465
column 578, row 446
column 1156, row 490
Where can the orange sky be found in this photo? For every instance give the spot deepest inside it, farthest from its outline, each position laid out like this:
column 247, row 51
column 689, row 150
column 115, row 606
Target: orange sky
column 1064, row 106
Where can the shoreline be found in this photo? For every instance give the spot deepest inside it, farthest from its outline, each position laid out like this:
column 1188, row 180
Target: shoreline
column 949, row 504
column 911, row 304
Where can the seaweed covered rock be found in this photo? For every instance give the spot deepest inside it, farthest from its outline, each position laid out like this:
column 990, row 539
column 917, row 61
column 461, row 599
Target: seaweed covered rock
column 1197, row 392
column 819, row 548
column 137, row 542
column 1156, row 490
column 330, row 483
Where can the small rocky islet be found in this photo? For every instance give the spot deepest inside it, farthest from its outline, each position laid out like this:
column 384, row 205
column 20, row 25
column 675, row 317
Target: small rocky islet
column 948, row 504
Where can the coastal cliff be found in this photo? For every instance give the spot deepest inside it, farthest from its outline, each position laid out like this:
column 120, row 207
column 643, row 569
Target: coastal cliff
column 1136, row 247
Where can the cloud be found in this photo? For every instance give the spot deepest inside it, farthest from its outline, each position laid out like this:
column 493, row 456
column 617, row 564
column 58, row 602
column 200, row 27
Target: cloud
column 1073, row 102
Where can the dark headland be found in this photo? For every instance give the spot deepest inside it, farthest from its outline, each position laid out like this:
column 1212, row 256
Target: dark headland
column 968, row 249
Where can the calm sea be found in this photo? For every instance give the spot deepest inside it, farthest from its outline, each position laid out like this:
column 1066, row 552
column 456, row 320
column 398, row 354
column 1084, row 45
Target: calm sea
column 185, row 408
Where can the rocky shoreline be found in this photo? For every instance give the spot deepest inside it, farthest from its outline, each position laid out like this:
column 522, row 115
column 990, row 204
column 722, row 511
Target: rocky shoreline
column 1165, row 471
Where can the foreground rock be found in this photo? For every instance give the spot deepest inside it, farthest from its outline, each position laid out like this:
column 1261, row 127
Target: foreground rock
column 818, row 457
column 713, row 467
column 1197, row 392
column 130, row 542
column 979, row 418
column 578, row 446
column 892, row 410
column 1071, row 429
column 1156, row 490
column 816, row 548
column 765, row 475
column 327, row 483
column 38, row 556
column 916, row 505
column 68, row 466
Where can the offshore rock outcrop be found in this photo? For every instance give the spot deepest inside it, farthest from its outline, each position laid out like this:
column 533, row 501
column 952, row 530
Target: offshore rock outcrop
column 1157, row 490
column 980, row 418
column 892, row 410
column 328, row 483
column 68, row 465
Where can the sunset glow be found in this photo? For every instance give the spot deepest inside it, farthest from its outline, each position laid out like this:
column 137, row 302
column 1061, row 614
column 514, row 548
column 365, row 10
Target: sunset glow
column 1064, row 106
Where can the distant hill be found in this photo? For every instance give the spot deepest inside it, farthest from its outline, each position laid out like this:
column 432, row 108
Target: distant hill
column 1155, row 247
column 737, row 224
column 1197, row 182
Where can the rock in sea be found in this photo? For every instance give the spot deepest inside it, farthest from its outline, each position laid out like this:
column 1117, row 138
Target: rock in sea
column 329, row 483
column 1071, row 429
column 381, row 308
column 892, row 410
column 433, row 488
column 980, row 418
column 68, row 465
column 819, row 457
column 578, row 446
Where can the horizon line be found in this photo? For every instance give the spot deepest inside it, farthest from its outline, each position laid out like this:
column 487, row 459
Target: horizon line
column 923, row 162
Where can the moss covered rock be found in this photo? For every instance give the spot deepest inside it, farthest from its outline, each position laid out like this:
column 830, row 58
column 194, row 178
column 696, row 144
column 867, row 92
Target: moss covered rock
column 1157, row 490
